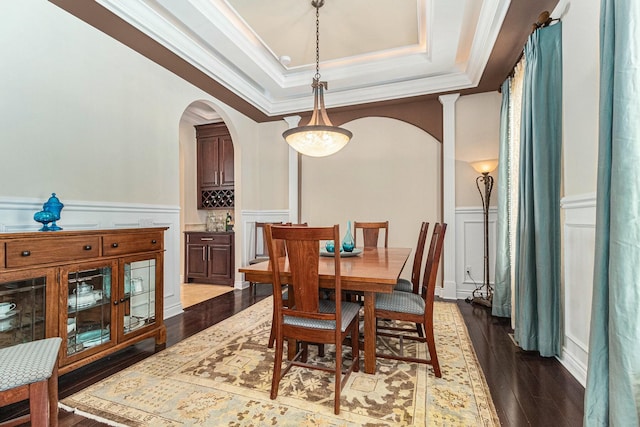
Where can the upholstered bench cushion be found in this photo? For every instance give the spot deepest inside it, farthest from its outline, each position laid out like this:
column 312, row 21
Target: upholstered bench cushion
column 401, row 302
column 403, row 285
column 349, row 311
column 28, row 363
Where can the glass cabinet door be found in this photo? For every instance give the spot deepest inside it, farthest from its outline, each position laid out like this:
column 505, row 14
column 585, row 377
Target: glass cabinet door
column 89, row 309
column 23, row 308
column 140, row 281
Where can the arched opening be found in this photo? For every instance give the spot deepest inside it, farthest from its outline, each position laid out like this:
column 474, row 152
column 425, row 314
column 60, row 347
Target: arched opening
column 207, row 198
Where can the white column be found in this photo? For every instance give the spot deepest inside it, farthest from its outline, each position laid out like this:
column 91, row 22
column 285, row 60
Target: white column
column 448, row 102
column 294, row 173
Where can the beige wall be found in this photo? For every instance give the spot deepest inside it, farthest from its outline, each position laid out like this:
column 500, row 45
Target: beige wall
column 270, row 189
column 389, row 171
column 76, row 117
column 477, row 138
column 88, row 118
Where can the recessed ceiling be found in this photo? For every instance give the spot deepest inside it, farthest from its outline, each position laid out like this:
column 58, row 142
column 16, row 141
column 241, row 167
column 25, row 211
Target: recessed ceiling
column 373, row 53
column 370, row 50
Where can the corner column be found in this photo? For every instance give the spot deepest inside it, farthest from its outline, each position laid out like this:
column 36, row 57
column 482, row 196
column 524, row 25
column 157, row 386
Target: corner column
column 294, row 175
column 449, row 290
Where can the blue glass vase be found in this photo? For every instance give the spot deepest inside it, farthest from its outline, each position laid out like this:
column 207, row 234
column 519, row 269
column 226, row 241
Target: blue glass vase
column 54, row 206
column 347, row 243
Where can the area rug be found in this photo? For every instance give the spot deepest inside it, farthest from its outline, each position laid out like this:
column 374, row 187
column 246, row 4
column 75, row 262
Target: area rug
column 222, row 377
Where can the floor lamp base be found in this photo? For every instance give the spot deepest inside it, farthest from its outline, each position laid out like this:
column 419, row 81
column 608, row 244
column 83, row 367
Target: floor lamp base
column 481, row 301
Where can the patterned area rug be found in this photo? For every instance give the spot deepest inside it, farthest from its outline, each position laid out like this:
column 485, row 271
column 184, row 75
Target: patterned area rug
column 222, row 376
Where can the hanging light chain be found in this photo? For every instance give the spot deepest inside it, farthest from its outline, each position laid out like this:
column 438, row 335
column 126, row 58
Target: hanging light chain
column 317, row 4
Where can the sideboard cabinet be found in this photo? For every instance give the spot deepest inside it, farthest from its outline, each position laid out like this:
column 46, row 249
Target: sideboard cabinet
column 209, row 257
column 99, row 290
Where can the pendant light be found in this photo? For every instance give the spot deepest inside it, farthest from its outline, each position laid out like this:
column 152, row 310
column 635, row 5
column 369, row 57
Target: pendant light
column 319, row 138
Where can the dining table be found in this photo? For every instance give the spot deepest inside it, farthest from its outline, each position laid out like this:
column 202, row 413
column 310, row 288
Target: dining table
column 370, row 271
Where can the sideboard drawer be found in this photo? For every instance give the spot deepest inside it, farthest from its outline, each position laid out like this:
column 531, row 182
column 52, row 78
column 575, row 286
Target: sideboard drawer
column 129, row 243
column 209, row 238
column 27, row 252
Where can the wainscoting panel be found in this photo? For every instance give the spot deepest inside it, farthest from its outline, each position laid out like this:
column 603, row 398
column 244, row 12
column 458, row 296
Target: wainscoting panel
column 470, row 249
column 16, row 215
column 579, row 247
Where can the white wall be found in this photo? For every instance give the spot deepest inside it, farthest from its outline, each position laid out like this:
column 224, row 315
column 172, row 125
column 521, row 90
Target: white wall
column 580, row 142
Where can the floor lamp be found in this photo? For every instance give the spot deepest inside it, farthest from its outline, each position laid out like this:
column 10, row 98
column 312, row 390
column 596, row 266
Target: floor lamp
column 483, row 294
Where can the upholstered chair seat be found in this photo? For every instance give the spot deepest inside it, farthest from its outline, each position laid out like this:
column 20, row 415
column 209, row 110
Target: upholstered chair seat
column 30, row 371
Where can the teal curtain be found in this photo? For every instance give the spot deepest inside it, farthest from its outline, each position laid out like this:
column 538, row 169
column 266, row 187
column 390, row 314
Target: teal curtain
column 538, row 230
column 501, row 305
column 612, row 396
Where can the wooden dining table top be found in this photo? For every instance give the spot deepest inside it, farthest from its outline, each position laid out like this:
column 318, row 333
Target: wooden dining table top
column 374, row 270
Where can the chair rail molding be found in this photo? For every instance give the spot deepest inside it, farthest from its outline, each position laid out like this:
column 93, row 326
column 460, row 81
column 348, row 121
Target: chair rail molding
column 579, row 230
column 16, row 215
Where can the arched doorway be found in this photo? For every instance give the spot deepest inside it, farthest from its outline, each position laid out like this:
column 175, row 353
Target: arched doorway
column 212, row 271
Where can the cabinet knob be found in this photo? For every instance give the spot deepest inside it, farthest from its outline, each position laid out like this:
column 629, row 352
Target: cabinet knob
column 154, row 241
column 26, row 253
column 87, row 247
column 115, row 302
column 114, row 245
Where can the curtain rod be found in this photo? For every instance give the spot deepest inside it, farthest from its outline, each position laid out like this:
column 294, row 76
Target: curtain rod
column 544, row 20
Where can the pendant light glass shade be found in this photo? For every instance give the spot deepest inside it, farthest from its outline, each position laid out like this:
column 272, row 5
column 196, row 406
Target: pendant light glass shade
column 318, row 138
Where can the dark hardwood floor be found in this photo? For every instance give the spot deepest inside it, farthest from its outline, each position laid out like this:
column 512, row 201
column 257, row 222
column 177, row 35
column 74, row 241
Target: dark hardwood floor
column 526, row 389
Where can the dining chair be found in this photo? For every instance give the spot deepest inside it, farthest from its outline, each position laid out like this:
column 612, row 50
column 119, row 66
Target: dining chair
column 30, row 371
column 413, row 285
column 260, row 253
column 371, row 232
column 260, row 246
column 415, row 308
column 309, row 318
column 281, row 251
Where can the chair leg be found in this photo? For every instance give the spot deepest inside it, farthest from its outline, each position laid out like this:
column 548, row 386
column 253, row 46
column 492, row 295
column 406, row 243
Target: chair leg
column 277, row 368
column 52, row 385
column 338, row 379
column 39, row 403
column 272, row 334
column 431, row 345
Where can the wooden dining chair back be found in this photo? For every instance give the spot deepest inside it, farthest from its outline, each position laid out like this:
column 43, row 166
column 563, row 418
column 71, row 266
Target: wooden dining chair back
column 281, row 252
column 309, row 319
column 260, row 252
column 371, row 233
column 413, row 285
column 415, row 308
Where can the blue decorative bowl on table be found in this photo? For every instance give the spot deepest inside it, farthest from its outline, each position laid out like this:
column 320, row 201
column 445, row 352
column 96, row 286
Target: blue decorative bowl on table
column 44, row 218
column 330, row 246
